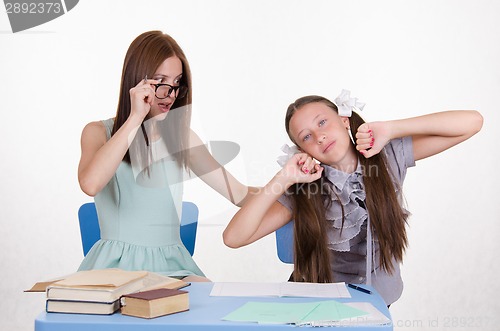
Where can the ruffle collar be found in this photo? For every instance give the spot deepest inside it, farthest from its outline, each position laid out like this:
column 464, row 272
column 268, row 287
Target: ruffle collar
column 345, row 191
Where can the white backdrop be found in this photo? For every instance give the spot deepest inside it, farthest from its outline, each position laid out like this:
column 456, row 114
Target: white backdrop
column 249, row 60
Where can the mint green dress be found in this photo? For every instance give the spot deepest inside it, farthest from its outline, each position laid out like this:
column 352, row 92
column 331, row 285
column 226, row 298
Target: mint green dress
column 140, row 225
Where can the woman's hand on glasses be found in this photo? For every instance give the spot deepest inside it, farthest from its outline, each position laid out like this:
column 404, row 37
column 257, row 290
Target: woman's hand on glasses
column 142, row 97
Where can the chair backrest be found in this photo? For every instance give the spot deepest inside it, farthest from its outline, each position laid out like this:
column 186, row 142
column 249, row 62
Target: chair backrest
column 284, row 242
column 189, row 224
column 89, row 226
column 90, row 232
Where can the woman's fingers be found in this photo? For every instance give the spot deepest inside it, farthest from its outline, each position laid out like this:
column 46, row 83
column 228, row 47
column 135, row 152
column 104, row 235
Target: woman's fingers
column 142, row 96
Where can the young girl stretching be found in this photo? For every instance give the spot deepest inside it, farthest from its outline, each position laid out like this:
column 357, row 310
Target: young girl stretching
column 349, row 222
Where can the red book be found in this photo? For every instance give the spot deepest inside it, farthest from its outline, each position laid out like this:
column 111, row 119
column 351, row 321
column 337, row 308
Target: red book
column 154, row 303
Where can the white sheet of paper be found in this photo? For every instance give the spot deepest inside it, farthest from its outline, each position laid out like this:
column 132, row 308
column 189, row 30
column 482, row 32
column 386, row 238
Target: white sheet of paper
column 287, row 289
column 314, row 290
column 245, row 290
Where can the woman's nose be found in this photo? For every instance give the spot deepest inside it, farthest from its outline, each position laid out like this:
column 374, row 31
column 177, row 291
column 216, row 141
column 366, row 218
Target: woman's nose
column 321, row 138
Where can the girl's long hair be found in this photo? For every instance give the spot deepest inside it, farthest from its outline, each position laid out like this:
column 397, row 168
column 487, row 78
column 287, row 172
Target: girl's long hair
column 387, row 216
column 145, row 54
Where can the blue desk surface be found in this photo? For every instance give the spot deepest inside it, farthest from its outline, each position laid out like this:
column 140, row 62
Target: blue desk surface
column 205, row 313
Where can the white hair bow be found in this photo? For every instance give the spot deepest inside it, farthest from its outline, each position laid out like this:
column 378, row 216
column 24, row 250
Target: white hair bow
column 289, row 151
column 346, row 104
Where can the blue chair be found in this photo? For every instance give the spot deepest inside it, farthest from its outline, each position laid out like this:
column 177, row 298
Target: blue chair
column 90, row 232
column 284, row 242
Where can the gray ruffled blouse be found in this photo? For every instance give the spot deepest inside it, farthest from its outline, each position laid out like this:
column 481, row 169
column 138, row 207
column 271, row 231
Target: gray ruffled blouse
column 349, row 240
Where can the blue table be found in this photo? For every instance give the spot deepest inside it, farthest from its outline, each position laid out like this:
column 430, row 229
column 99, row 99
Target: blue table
column 205, row 313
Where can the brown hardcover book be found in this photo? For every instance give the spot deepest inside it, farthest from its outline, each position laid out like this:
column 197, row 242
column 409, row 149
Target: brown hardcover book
column 154, row 303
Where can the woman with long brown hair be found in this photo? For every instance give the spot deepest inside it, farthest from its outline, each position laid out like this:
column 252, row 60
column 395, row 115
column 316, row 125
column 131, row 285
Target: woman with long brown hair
column 134, row 164
column 349, row 222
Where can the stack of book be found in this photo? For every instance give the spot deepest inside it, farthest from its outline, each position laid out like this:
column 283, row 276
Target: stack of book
column 99, row 291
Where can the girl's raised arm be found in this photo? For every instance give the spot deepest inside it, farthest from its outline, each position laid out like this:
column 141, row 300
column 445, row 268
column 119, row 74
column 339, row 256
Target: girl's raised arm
column 431, row 134
column 262, row 213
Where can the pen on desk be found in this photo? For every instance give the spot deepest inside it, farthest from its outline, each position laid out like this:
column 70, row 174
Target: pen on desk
column 364, row 290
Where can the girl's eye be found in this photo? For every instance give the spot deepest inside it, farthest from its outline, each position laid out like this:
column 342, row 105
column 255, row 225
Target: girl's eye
column 322, row 122
column 306, row 137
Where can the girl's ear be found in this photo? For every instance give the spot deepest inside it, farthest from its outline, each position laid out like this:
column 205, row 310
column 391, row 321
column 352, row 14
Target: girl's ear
column 345, row 121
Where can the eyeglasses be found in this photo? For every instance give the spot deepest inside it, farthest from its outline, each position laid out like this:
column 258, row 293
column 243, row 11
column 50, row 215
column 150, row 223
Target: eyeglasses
column 163, row 91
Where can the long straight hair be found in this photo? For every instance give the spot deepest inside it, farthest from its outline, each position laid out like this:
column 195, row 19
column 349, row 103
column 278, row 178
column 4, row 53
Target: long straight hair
column 387, row 216
column 145, row 54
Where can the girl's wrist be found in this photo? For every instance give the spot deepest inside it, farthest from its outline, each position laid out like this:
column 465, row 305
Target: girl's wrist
column 404, row 127
column 391, row 128
column 282, row 180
